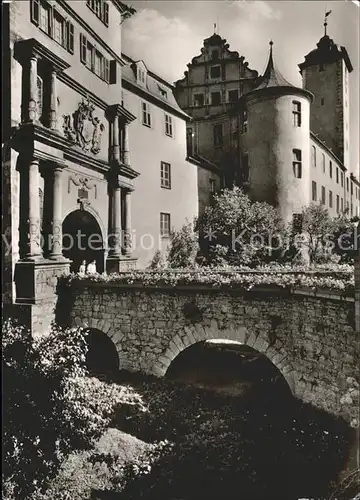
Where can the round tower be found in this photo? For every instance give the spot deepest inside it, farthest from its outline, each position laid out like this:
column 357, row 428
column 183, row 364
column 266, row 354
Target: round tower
column 275, row 150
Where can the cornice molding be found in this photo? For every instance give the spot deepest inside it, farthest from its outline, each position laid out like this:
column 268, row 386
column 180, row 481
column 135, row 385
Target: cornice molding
column 28, row 134
column 25, row 49
column 147, row 96
column 89, row 30
column 118, row 110
column 80, row 89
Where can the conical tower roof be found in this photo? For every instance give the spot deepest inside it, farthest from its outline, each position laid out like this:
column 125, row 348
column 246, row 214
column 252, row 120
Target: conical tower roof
column 272, row 76
column 273, row 81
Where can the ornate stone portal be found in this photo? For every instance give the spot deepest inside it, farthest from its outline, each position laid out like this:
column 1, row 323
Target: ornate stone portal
column 85, row 130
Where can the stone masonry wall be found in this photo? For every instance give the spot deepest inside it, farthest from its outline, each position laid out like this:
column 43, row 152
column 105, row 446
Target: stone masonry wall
column 311, row 340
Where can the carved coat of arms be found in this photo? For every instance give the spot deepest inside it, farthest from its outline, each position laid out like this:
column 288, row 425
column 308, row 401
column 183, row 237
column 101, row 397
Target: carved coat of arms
column 84, row 129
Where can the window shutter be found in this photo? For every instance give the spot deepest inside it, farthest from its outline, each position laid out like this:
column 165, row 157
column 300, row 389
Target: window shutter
column 70, row 37
column 106, row 70
column 35, row 9
column 83, row 43
column 106, row 13
column 113, row 71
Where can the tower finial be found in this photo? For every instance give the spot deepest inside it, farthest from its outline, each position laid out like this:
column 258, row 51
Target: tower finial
column 327, row 14
column 214, row 28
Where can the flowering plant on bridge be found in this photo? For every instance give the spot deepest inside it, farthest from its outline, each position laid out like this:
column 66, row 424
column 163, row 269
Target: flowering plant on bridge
column 339, row 278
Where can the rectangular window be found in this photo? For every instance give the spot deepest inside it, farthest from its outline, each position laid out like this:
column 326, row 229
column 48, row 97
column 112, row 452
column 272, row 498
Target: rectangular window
column 322, row 101
column 44, row 21
column 337, row 203
column 146, row 117
column 190, row 141
column 351, row 210
column 313, row 156
column 330, row 199
column 297, row 164
column 168, row 125
column 100, row 9
column 314, row 194
column 165, row 175
column 93, row 59
column 352, row 188
column 347, row 184
column 198, row 99
column 337, row 175
column 52, row 23
column 323, row 162
column 214, row 55
column 342, row 204
column 215, row 98
column 297, row 113
column 342, row 179
column 164, row 225
column 212, row 186
column 244, row 122
column 141, row 76
column 218, row 135
column 233, row 95
column 323, row 195
column 59, row 29
column 330, row 169
column 215, row 72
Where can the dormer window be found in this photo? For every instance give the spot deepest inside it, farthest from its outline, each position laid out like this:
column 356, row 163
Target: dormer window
column 141, row 75
column 162, row 91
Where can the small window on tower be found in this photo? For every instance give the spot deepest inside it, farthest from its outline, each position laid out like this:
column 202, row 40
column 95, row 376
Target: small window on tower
column 297, row 113
column 297, row 164
column 215, row 55
column 313, row 191
column 322, row 101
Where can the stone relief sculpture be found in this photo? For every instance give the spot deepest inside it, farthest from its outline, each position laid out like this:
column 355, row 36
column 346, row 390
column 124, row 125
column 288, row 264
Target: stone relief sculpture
column 85, row 129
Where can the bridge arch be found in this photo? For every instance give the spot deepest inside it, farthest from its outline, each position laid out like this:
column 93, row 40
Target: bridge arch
column 198, row 333
column 102, row 356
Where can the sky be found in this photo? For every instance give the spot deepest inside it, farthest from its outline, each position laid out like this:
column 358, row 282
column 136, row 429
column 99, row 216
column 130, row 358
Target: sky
column 167, row 34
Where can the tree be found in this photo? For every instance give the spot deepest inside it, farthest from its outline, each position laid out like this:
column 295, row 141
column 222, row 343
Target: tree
column 251, row 232
column 325, row 238
column 184, row 247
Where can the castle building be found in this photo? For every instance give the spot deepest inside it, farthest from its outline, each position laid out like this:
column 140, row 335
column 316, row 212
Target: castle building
column 94, row 153
column 283, row 144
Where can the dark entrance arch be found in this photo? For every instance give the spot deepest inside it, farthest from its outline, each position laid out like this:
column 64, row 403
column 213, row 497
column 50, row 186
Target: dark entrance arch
column 231, row 368
column 102, row 357
column 82, row 240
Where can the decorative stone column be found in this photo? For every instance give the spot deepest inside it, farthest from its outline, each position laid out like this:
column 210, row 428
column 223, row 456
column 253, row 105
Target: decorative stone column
column 127, row 229
column 125, row 145
column 34, row 248
column 32, row 109
column 53, row 100
column 56, row 251
column 115, row 250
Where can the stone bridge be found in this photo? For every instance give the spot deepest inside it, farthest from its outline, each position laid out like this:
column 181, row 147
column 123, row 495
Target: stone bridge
column 309, row 337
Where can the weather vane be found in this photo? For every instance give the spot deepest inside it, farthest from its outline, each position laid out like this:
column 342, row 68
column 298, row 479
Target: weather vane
column 327, row 14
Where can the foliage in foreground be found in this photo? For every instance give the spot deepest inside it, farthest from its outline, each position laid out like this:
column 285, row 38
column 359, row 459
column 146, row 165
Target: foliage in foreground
column 332, row 277
column 52, row 408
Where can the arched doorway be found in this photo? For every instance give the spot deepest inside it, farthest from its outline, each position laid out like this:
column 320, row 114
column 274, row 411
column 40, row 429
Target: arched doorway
column 82, row 240
column 102, row 357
